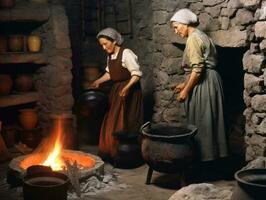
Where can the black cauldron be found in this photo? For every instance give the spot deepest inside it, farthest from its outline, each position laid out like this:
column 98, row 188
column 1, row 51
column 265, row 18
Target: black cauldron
column 128, row 150
column 167, row 149
column 91, row 107
column 251, row 185
column 92, row 104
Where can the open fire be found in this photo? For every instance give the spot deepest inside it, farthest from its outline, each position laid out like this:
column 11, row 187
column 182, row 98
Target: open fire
column 51, row 153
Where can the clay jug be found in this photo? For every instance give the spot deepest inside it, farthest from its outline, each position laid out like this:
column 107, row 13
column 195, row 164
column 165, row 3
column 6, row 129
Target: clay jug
column 15, row 43
column 6, row 3
column 34, row 43
column 23, row 82
column 6, row 84
column 3, row 44
column 28, row 118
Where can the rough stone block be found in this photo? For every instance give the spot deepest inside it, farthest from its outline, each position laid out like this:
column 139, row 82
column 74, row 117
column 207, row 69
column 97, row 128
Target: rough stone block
column 233, row 37
column 243, row 17
column 212, row 2
column 258, row 103
column 253, row 63
column 250, row 4
column 161, row 17
column 253, row 84
column 260, row 28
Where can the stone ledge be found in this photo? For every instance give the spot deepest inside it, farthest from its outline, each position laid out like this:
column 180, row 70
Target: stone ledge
column 25, row 12
column 13, row 58
column 17, row 99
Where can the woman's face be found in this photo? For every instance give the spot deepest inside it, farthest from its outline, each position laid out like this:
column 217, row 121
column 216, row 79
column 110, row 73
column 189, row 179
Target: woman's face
column 180, row 29
column 107, row 45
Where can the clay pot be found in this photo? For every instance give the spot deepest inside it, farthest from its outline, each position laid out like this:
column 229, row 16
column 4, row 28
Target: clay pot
column 28, row 118
column 3, row 44
column 34, row 43
column 6, row 84
column 15, row 43
column 45, row 185
column 23, row 82
column 91, row 73
column 6, row 3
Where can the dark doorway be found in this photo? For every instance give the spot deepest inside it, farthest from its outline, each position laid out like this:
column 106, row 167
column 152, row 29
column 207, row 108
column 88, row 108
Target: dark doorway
column 230, row 67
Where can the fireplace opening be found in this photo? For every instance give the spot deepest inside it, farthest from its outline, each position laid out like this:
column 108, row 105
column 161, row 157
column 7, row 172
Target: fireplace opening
column 231, row 70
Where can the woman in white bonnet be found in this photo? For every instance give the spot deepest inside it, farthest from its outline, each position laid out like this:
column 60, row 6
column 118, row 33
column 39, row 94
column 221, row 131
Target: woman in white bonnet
column 125, row 98
column 202, row 90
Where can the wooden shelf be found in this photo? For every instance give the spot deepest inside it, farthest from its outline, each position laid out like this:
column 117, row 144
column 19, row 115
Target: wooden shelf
column 17, row 99
column 25, row 12
column 15, row 58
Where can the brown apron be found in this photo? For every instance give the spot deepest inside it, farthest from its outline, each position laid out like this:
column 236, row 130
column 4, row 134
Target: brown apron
column 123, row 115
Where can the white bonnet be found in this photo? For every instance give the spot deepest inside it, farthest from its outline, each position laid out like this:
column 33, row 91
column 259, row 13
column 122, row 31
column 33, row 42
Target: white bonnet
column 111, row 33
column 185, row 16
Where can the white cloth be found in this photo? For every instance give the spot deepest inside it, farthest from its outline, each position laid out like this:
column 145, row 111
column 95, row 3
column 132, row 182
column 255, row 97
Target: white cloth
column 129, row 61
column 184, row 16
column 111, row 33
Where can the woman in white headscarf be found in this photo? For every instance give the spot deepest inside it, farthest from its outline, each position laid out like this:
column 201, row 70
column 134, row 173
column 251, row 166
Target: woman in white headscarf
column 125, row 112
column 202, row 91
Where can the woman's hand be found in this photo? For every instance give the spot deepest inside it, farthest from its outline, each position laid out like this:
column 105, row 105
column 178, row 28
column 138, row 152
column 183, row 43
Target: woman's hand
column 95, row 84
column 123, row 93
column 179, row 87
column 182, row 96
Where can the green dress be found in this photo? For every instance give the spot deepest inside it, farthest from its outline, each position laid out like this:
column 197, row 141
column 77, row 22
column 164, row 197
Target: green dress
column 204, row 106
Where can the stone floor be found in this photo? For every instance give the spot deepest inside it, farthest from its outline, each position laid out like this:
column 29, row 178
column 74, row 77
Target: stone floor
column 162, row 186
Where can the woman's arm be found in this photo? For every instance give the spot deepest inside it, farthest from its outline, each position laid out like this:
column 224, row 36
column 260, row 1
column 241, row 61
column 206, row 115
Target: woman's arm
column 102, row 79
column 189, row 85
column 124, row 92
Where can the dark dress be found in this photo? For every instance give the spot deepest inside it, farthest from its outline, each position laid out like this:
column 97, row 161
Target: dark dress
column 123, row 115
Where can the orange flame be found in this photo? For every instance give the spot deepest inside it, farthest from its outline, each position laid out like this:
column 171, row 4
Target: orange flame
column 54, row 159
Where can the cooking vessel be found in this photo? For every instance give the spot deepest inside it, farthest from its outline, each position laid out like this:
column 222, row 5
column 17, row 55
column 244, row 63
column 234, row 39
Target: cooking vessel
column 128, row 150
column 251, row 185
column 92, row 104
column 167, row 149
column 45, row 185
column 91, row 107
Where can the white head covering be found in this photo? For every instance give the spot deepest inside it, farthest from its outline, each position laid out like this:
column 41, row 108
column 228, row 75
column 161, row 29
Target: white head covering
column 185, row 16
column 111, row 33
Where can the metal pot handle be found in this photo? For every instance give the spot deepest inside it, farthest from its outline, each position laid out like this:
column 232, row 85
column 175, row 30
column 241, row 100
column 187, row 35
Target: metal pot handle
column 194, row 130
column 144, row 127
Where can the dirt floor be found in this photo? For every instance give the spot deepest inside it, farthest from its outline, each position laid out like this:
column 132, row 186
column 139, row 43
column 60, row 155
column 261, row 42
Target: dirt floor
column 133, row 180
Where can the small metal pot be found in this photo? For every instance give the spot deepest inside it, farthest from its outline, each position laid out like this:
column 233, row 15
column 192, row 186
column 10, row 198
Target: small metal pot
column 251, row 185
column 45, row 185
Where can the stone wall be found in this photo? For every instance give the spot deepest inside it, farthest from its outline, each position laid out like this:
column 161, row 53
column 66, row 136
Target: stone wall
column 53, row 81
column 232, row 24
column 237, row 24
